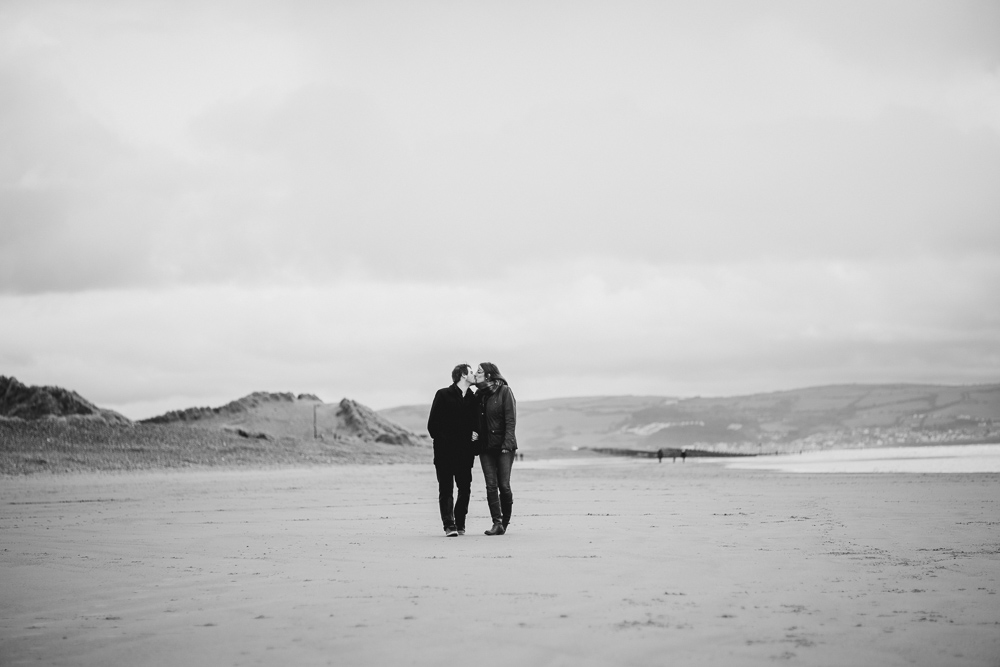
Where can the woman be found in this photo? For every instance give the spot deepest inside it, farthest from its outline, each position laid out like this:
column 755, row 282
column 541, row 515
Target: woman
column 497, row 418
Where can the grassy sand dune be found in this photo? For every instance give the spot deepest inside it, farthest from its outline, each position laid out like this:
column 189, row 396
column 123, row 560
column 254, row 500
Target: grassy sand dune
column 60, row 446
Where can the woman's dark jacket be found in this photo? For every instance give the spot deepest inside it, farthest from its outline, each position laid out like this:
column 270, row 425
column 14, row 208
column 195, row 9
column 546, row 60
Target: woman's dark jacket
column 451, row 423
column 497, row 419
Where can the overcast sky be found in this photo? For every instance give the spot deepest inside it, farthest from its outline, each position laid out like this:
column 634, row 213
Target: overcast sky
column 203, row 199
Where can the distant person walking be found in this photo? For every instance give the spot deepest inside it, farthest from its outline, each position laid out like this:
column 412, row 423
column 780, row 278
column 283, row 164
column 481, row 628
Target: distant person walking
column 684, row 455
column 452, row 425
column 659, row 456
column 497, row 419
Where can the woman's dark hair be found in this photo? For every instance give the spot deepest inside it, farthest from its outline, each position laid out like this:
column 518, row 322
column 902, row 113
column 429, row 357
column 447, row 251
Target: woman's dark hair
column 459, row 371
column 491, row 372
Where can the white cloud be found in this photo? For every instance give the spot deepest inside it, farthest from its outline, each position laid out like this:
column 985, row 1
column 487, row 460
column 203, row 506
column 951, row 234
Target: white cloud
column 199, row 200
column 568, row 328
column 972, row 100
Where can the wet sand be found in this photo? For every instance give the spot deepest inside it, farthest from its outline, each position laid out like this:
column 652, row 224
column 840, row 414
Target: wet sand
column 984, row 458
column 625, row 562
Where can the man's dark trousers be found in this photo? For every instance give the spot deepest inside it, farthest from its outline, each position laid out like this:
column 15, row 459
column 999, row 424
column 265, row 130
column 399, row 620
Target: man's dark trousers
column 454, row 510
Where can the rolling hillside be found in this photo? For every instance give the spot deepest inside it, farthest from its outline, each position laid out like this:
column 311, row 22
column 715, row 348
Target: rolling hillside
column 802, row 419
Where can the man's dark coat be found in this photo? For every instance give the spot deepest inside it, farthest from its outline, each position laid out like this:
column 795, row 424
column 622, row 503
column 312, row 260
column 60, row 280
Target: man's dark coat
column 450, row 423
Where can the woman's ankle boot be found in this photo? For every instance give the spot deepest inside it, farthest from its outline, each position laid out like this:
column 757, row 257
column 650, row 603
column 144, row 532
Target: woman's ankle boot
column 497, row 529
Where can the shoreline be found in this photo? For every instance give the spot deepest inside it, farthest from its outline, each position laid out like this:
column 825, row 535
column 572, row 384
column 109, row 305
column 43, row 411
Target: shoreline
column 823, row 462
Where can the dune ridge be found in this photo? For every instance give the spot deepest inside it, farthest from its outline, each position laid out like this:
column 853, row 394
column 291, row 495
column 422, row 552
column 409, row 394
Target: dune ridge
column 20, row 401
column 262, row 429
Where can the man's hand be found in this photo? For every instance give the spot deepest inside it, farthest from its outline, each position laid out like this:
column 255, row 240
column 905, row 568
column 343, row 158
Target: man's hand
column 475, row 436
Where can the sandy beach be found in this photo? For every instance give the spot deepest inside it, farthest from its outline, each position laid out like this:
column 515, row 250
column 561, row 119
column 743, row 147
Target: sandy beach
column 623, row 561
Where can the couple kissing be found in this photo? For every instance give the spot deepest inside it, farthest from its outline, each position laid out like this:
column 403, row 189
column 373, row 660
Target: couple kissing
column 474, row 416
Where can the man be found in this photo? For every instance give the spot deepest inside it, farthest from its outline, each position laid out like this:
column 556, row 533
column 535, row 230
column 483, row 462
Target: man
column 450, row 424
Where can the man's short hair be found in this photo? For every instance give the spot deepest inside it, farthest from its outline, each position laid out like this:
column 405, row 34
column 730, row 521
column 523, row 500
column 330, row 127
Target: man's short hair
column 459, row 371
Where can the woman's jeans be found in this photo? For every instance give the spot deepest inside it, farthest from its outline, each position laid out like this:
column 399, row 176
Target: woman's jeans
column 496, row 470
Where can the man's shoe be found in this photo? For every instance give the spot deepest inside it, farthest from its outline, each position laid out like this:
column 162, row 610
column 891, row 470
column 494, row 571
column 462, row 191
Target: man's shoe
column 461, row 531
column 450, row 532
column 497, row 529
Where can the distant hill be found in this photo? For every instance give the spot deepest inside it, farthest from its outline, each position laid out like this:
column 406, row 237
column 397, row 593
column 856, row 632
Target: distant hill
column 20, row 401
column 558, row 423
column 801, row 419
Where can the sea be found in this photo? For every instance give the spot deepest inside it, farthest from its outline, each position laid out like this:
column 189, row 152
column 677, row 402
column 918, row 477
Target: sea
column 982, row 458
column 920, row 459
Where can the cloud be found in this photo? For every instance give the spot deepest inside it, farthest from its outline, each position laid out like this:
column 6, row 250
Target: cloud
column 73, row 198
column 318, row 187
column 206, row 199
column 571, row 328
column 773, row 149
